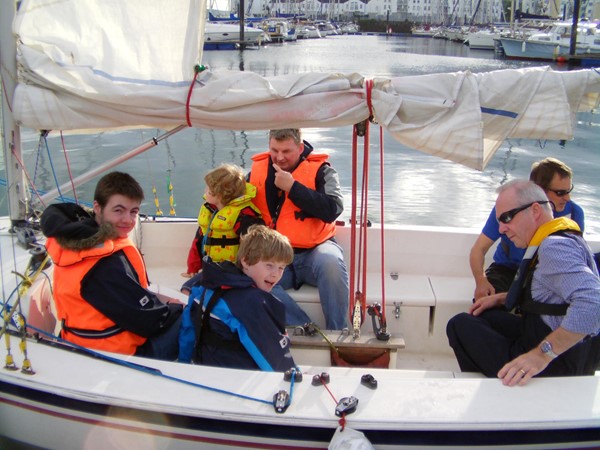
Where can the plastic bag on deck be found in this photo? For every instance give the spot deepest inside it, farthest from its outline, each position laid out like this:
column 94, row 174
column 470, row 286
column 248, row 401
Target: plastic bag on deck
column 349, row 439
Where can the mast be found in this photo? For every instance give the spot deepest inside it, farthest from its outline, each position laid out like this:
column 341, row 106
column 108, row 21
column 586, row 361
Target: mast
column 11, row 139
column 573, row 41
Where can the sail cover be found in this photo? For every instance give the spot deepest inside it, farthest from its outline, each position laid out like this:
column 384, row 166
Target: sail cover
column 85, row 64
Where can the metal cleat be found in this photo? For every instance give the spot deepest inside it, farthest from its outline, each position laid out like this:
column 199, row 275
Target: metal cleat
column 287, row 376
column 318, row 380
column 281, row 401
column 369, row 381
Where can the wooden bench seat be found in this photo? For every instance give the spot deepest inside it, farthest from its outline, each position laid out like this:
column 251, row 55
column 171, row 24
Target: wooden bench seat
column 315, row 349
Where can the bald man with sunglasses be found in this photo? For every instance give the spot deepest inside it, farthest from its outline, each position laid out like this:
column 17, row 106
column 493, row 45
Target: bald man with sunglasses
column 556, row 179
column 556, row 296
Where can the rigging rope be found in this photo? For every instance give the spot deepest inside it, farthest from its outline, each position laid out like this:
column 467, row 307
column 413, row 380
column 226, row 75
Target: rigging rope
column 142, row 368
column 358, row 274
column 381, row 179
column 358, row 263
column 28, row 177
column 197, row 69
column 44, row 138
column 62, row 140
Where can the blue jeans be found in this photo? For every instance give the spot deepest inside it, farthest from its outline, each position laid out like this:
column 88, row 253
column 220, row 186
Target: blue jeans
column 323, row 267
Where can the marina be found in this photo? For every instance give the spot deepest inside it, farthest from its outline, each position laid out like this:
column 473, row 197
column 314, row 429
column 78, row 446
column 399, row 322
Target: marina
column 477, row 122
column 427, row 198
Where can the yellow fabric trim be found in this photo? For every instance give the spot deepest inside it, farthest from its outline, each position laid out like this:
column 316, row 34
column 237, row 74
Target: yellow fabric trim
column 560, row 224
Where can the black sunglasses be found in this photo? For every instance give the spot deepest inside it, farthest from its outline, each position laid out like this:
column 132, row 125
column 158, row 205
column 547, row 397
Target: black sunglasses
column 562, row 192
column 507, row 216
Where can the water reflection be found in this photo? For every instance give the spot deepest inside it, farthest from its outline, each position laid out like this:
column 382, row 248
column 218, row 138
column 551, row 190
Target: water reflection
column 418, row 189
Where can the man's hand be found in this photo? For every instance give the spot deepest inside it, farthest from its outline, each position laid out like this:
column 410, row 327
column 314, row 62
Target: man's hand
column 283, row 180
column 484, row 303
column 521, row 369
column 483, row 288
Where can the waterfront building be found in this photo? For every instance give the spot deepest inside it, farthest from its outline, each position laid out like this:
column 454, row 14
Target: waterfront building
column 435, row 12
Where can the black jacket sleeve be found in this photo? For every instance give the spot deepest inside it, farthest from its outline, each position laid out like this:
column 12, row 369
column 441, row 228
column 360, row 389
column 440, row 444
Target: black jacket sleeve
column 326, row 201
column 112, row 287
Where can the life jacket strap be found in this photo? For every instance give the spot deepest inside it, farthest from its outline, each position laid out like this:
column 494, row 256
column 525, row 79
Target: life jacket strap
column 93, row 334
column 221, row 241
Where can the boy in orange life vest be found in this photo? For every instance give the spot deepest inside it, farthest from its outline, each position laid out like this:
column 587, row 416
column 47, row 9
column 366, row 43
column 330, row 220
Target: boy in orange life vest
column 226, row 214
column 100, row 283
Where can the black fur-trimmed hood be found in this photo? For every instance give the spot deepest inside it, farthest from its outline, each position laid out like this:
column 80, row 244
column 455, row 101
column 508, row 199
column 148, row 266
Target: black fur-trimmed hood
column 74, row 227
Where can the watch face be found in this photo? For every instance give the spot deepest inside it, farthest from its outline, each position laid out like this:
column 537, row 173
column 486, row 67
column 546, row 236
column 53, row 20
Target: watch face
column 546, row 347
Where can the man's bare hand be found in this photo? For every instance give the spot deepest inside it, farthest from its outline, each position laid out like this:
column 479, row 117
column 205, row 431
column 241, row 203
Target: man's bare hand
column 484, row 303
column 283, row 180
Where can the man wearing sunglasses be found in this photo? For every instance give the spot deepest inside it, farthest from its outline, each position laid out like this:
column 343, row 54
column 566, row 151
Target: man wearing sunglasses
column 555, row 178
column 557, row 296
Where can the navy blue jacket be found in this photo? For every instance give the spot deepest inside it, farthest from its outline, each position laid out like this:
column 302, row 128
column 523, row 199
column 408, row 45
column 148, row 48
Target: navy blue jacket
column 246, row 326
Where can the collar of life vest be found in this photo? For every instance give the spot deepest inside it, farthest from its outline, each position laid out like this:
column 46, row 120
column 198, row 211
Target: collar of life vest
column 545, row 230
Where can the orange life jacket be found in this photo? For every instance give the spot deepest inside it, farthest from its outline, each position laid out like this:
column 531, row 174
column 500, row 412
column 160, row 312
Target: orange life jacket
column 306, row 232
column 70, row 266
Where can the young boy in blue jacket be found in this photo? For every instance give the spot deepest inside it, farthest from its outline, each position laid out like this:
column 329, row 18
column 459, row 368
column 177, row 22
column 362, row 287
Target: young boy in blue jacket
column 232, row 319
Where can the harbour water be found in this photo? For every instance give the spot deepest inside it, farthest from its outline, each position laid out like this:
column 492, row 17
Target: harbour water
column 418, row 189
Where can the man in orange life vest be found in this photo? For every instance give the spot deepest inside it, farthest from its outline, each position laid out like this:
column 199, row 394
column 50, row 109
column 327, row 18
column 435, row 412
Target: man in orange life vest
column 299, row 195
column 100, row 282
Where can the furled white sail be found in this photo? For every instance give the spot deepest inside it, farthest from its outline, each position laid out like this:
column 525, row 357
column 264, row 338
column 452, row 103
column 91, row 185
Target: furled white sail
column 84, row 66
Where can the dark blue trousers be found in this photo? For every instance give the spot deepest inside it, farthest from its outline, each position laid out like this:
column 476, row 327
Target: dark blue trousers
column 486, row 342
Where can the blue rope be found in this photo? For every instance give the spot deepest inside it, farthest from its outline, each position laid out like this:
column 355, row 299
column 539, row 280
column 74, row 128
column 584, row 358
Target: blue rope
column 3, row 182
column 145, row 369
column 53, row 171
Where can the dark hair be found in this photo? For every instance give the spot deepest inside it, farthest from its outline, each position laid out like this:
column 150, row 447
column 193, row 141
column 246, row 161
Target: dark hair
column 542, row 172
column 117, row 183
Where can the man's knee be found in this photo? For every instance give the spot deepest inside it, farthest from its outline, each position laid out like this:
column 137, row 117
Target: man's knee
column 457, row 324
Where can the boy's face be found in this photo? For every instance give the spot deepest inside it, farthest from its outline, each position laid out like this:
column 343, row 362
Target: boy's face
column 120, row 211
column 212, row 198
column 265, row 274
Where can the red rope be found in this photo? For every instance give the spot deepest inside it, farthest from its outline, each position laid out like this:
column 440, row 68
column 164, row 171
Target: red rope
column 369, row 88
column 342, row 420
column 353, row 224
column 365, row 220
column 62, row 140
column 381, row 167
column 197, row 70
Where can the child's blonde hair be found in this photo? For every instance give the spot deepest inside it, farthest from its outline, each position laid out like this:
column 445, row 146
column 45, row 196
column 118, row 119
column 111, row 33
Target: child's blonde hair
column 226, row 182
column 261, row 243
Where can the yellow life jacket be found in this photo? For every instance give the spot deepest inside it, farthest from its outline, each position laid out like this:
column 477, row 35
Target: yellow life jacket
column 220, row 240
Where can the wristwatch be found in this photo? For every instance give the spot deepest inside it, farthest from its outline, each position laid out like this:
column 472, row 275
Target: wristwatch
column 546, row 348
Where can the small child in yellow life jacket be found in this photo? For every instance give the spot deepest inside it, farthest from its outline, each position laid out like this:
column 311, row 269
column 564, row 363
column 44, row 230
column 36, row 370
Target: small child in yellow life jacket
column 227, row 213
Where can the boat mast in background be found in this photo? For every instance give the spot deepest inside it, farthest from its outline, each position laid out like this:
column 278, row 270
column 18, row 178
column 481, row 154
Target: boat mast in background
column 11, row 133
column 573, row 41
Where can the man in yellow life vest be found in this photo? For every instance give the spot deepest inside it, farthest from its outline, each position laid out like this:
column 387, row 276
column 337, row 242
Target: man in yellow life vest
column 556, row 293
column 299, row 195
column 100, row 283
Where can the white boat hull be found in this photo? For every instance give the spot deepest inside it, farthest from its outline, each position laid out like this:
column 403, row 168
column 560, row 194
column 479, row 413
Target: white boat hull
column 105, row 405
column 542, row 51
column 221, row 33
column 172, row 405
